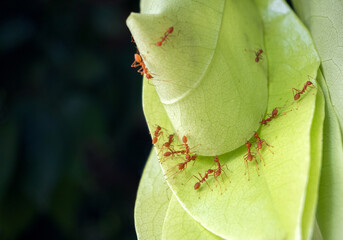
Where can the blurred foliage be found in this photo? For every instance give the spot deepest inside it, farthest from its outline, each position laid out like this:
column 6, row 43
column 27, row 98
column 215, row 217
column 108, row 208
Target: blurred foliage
column 73, row 139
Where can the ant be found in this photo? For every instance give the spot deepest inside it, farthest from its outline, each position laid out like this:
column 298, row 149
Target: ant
column 188, row 149
column 139, row 62
column 249, row 157
column 259, row 146
column 298, row 92
column 164, row 38
column 172, row 153
column 258, row 54
column 168, row 143
column 275, row 113
column 183, row 165
column 203, row 179
column 157, row 133
column 219, row 169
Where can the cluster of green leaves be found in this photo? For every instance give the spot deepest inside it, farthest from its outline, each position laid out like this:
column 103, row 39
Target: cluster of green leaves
column 299, row 189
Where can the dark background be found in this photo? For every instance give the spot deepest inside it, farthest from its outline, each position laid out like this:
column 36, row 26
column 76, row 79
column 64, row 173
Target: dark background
column 73, row 139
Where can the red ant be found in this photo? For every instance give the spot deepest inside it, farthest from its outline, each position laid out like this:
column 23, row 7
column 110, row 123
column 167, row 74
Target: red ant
column 168, row 143
column 184, row 140
column 298, row 92
column 183, row 165
column 139, row 62
column 219, row 170
column 157, row 133
column 258, row 54
column 249, row 157
column 259, row 146
column 203, row 179
column 275, row 113
column 172, row 153
column 164, row 38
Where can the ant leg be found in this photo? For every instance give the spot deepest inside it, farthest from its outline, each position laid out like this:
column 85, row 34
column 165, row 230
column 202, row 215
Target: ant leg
column 223, row 179
column 191, row 178
column 226, row 174
column 261, row 158
column 284, row 113
column 220, row 187
column 297, row 91
column 208, row 185
column 246, row 168
column 267, row 145
column 256, row 166
column 167, row 193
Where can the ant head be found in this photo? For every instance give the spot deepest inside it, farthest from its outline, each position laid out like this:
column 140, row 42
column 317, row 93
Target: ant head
column 308, row 83
column 158, row 128
column 181, row 166
column 248, row 144
column 194, row 157
column 138, row 58
column 216, row 159
column 196, row 186
column 159, row 43
column 184, row 139
column 148, row 76
column 264, row 121
column 209, row 171
column 256, row 135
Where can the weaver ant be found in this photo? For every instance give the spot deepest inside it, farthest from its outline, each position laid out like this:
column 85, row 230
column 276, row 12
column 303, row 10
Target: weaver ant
column 164, row 38
column 258, row 54
column 298, row 92
column 219, row 169
column 249, row 157
column 259, row 146
column 172, row 153
column 183, row 165
column 157, row 133
column 275, row 113
column 168, row 143
column 203, row 179
column 139, row 62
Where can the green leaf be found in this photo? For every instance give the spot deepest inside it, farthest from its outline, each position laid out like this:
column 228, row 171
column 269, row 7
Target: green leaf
column 330, row 209
column 324, row 20
column 208, row 61
column 178, row 224
column 152, row 201
column 281, row 202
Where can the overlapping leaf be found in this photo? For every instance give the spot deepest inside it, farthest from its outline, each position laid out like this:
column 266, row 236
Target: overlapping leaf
column 281, row 202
